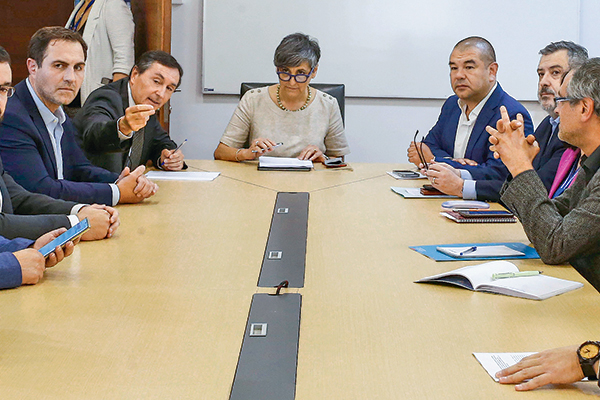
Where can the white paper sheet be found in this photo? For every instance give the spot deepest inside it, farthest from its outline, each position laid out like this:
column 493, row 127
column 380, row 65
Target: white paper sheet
column 415, row 193
column 495, row 362
column 182, row 175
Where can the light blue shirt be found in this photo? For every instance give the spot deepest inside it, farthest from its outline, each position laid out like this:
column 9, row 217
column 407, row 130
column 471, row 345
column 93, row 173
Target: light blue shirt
column 54, row 124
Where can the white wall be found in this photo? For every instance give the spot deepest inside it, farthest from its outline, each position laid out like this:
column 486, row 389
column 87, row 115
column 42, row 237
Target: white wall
column 378, row 130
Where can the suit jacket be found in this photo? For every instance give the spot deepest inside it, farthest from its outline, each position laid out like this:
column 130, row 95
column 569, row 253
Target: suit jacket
column 97, row 134
column 28, row 156
column 563, row 229
column 490, row 172
column 546, row 161
column 109, row 34
column 10, row 269
column 38, row 213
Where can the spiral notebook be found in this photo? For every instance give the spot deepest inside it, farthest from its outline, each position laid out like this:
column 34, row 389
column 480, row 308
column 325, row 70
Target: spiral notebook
column 458, row 218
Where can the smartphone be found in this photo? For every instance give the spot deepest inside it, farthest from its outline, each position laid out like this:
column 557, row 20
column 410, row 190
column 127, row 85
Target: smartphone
column 72, row 233
column 485, row 213
column 405, row 173
column 334, row 163
column 428, row 190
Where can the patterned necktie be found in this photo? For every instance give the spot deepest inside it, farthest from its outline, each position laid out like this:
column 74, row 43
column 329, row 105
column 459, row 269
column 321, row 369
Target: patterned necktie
column 137, row 144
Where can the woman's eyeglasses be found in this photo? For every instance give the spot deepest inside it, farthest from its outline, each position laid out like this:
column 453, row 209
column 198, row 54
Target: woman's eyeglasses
column 300, row 78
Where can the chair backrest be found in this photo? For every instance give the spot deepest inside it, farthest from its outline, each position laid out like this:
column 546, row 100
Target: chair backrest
column 336, row 90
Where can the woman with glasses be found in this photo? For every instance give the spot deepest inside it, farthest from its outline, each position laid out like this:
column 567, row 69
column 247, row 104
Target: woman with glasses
column 289, row 119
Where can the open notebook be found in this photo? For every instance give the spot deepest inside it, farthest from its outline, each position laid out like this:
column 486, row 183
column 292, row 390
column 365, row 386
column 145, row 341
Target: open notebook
column 479, row 278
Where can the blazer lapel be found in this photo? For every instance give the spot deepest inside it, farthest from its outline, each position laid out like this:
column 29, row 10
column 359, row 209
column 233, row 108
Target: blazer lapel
column 484, row 119
column 124, row 93
column 6, row 201
column 92, row 21
column 544, row 131
column 36, row 117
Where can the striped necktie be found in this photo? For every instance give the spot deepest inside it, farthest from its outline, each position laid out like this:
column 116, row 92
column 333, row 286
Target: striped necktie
column 137, row 145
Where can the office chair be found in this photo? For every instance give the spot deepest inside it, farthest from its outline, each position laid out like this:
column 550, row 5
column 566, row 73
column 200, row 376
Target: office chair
column 335, row 90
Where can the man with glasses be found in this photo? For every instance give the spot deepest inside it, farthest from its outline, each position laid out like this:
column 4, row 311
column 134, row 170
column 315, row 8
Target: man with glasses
column 566, row 228
column 117, row 126
column 464, row 166
column 30, row 215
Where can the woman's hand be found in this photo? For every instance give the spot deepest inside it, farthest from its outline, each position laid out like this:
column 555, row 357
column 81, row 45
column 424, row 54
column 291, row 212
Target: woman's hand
column 259, row 147
column 312, row 153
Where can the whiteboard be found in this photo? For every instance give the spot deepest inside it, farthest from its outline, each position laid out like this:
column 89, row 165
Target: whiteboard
column 381, row 48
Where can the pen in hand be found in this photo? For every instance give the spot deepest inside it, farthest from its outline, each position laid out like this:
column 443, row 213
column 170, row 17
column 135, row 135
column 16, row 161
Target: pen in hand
column 174, row 151
column 272, row 147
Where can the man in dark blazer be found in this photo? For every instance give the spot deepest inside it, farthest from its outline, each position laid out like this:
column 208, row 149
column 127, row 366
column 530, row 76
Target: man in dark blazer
column 459, row 139
column 41, row 213
column 117, row 115
column 37, row 141
column 556, row 60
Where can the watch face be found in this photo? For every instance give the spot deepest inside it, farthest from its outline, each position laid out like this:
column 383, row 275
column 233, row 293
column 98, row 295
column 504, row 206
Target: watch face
column 589, row 351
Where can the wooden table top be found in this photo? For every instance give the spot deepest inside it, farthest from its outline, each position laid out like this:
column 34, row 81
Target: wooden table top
column 159, row 311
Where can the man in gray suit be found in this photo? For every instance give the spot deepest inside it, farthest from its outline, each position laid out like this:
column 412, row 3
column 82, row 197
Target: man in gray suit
column 43, row 213
column 567, row 228
column 117, row 126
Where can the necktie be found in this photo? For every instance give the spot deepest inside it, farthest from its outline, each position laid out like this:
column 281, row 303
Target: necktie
column 137, row 144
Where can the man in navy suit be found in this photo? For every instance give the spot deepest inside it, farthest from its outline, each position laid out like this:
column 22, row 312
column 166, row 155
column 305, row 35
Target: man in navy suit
column 29, row 215
column 556, row 60
column 37, row 139
column 459, row 141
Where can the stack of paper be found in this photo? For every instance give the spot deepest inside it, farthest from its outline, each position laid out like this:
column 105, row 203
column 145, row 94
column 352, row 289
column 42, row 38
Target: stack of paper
column 266, row 163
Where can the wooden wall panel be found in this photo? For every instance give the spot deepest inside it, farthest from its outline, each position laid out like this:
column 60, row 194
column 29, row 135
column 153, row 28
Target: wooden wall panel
column 153, row 32
column 20, row 20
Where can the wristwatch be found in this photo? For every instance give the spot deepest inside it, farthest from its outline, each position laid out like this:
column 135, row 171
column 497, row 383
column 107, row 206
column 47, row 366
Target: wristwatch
column 589, row 353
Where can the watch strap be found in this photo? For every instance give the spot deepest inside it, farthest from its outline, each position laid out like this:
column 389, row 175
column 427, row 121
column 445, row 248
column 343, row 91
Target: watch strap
column 588, row 371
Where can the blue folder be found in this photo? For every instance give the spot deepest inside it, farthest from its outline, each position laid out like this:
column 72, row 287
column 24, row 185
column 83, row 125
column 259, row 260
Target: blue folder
column 432, row 252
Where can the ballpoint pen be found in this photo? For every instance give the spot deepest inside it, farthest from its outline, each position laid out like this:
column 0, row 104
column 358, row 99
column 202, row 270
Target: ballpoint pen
column 272, row 147
column 503, row 275
column 467, row 251
column 174, row 151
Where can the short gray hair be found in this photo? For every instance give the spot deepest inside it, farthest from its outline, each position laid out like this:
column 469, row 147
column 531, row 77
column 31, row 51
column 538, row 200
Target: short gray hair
column 295, row 49
column 577, row 54
column 586, row 83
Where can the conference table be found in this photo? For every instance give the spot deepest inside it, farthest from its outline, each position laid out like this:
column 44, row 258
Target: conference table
column 159, row 310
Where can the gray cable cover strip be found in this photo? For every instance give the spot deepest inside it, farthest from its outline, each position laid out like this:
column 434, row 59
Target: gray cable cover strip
column 266, row 368
column 287, row 242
